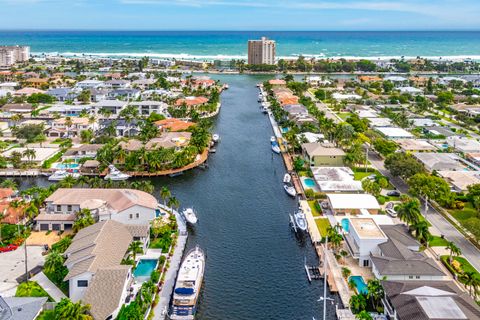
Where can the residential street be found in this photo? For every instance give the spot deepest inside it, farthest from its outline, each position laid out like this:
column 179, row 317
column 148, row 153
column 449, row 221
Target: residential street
column 469, row 251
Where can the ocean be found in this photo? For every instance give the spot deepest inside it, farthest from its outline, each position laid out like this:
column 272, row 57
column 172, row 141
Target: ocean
column 211, row 45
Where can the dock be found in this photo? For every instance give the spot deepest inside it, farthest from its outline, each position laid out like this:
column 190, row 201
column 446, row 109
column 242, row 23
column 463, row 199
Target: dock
column 20, row 173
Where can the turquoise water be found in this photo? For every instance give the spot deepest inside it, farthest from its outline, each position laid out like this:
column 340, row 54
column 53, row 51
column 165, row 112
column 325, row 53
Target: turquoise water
column 64, row 166
column 230, row 44
column 309, row 182
column 359, row 284
column 345, row 225
column 145, row 267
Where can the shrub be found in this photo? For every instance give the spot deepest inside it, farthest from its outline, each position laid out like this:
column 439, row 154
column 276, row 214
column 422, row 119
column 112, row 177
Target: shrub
column 381, row 200
column 155, row 276
column 309, row 193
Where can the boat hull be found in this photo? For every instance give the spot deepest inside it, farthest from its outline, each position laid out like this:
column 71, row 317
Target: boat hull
column 290, row 191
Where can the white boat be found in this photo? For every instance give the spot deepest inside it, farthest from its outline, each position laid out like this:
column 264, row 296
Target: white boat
column 225, row 86
column 287, row 178
column 188, row 285
column 290, row 190
column 276, row 148
column 190, row 216
column 115, row 174
column 273, row 139
column 265, row 109
column 300, row 220
column 215, row 137
column 59, row 175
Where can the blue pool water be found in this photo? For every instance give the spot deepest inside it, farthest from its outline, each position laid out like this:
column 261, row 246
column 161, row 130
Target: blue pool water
column 64, row 166
column 145, row 267
column 345, row 225
column 309, row 183
column 284, row 130
column 359, row 284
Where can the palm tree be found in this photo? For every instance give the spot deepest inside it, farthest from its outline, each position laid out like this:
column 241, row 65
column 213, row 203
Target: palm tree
column 470, row 280
column 9, row 183
column 68, row 125
column 375, row 292
column 421, row 231
column 30, row 154
column 68, row 310
column 454, row 251
column 135, row 247
column 358, row 303
column 83, row 219
column 409, row 212
column 68, row 182
column 165, row 194
column 363, row 315
column 53, row 262
column 173, row 203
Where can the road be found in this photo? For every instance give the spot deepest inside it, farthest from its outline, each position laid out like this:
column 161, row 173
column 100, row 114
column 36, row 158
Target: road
column 469, row 251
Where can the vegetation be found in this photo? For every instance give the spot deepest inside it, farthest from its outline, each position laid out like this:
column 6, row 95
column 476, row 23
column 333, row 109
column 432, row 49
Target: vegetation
column 31, row 289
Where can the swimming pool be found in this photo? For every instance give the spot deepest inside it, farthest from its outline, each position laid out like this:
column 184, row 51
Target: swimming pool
column 359, row 284
column 64, row 166
column 345, row 225
column 310, row 183
column 145, row 267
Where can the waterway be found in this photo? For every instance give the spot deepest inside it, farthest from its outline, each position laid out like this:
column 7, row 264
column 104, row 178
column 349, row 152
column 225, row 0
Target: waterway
column 255, row 263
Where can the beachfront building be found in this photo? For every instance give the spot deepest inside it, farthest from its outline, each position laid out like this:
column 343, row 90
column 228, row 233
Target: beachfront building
column 323, row 155
column 261, row 51
column 427, row 300
column 10, row 55
column 95, row 273
column 400, row 258
column 124, row 205
column 352, row 204
column 362, row 238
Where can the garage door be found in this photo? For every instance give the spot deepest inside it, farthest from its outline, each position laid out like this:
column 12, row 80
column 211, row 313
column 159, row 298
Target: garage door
column 44, row 227
column 56, row 226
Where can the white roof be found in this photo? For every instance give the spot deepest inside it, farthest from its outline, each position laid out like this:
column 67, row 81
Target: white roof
column 423, row 122
column 367, row 114
column 311, row 137
column 353, row 201
column 394, row 132
column 341, row 96
column 380, row 122
column 464, row 144
column 395, row 79
column 410, row 90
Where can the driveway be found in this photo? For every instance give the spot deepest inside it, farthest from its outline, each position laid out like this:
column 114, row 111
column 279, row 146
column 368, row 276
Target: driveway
column 12, row 266
column 469, row 251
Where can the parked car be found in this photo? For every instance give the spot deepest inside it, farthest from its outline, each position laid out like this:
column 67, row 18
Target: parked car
column 393, row 193
column 392, row 213
column 8, row 248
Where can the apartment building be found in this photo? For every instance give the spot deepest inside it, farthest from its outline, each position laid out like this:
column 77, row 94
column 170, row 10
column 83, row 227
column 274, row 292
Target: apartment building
column 261, row 51
column 10, row 55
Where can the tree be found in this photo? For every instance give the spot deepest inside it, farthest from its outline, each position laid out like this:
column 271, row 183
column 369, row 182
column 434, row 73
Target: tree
column 403, row 165
column 83, row 219
column 173, row 203
column 384, row 147
column 454, row 251
column 86, row 135
column 355, row 155
column 422, row 234
column 346, row 272
column 375, row 292
column 363, row 315
column 445, row 97
column 409, row 211
column 85, row 96
column 134, row 248
column 371, row 187
column 358, row 303
column 470, row 280
column 68, row 310
column 428, row 186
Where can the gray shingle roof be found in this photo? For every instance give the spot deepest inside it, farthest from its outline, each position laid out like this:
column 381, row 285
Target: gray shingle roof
column 24, row 308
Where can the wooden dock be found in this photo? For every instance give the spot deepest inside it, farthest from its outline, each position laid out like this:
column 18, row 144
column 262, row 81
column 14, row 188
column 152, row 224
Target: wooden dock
column 19, row 173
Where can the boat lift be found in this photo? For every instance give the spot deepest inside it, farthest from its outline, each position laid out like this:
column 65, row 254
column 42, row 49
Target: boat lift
column 313, row 272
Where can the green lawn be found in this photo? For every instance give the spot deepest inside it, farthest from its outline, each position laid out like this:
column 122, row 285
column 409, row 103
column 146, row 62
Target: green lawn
column 322, row 225
column 47, row 315
column 315, row 212
column 31, row 289
column 468, row 217
column 437, row 241
column 344, row 115
column 465, row 265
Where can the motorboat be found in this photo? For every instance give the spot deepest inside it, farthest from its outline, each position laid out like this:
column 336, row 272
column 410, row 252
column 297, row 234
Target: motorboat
column 225, row 86
column 276, row 148
column 115, row 174
column 273, row 139
column 188, row 285
column 59, row 175
column 290, row 190
column 265, row 109
column 300, row 220
column 287, row 178
column 215, row 137
column 190, row 216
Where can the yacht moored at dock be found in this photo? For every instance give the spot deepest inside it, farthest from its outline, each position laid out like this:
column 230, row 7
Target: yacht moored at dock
column 290, row 190
column 300, row 220
column 59, row 175
column 215, row 138
column 115, row 174
column 187, row 286
column 190, row 216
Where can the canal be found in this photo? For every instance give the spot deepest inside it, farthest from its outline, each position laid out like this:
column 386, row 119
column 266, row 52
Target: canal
column 255, row 263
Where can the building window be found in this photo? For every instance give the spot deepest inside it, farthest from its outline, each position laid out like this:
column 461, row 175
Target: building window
column 69, row 208
column 366, row 263
column 59, row 208
column 82, row 283
column 130, row 216
column 417, row 277
column 137, row 215
column 410, row 277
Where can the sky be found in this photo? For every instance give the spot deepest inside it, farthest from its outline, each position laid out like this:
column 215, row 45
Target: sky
column 240, row 14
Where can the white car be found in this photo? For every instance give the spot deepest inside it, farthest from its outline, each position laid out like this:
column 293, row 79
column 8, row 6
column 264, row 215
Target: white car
column 392, row 213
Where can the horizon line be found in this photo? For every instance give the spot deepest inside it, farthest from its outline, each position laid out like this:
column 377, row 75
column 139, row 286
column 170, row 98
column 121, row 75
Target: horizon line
column 229, row 30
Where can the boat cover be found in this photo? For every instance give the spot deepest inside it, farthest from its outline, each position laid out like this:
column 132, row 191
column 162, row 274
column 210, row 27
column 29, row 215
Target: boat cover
column 185, row 291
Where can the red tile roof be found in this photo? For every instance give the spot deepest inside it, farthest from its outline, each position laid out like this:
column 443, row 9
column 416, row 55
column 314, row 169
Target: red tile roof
column 191, row 101
column 173, row 124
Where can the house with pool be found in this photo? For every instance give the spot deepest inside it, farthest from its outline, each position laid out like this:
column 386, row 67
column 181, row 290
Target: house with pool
column 123, row 205
column 96, row 275
column 342, row 204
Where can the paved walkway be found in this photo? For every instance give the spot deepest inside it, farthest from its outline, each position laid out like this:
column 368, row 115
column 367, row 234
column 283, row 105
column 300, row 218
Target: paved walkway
column 161, row 309
column 469, row 251
column 49, row 286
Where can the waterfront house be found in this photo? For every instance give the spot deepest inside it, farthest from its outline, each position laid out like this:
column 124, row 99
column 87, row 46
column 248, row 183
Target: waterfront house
column 117, row 84
column 352, row 203
column 143, row 84
column 112, row 106
column 176, row 140
column 379, row 122
column 97, row 95
column 122, row 128
column 427, row 300
column 400, row 258
column 191, row 102
column 38, row 83
column 27, row 92
column 95, row 273
column 336, row 179
column 323, row 155
column 61, row 128
column 277, row 82
column 146, row 108
column 124, row 205
column 83, row 151
column 363, row 237
column 173, row 125
column 41, row 154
